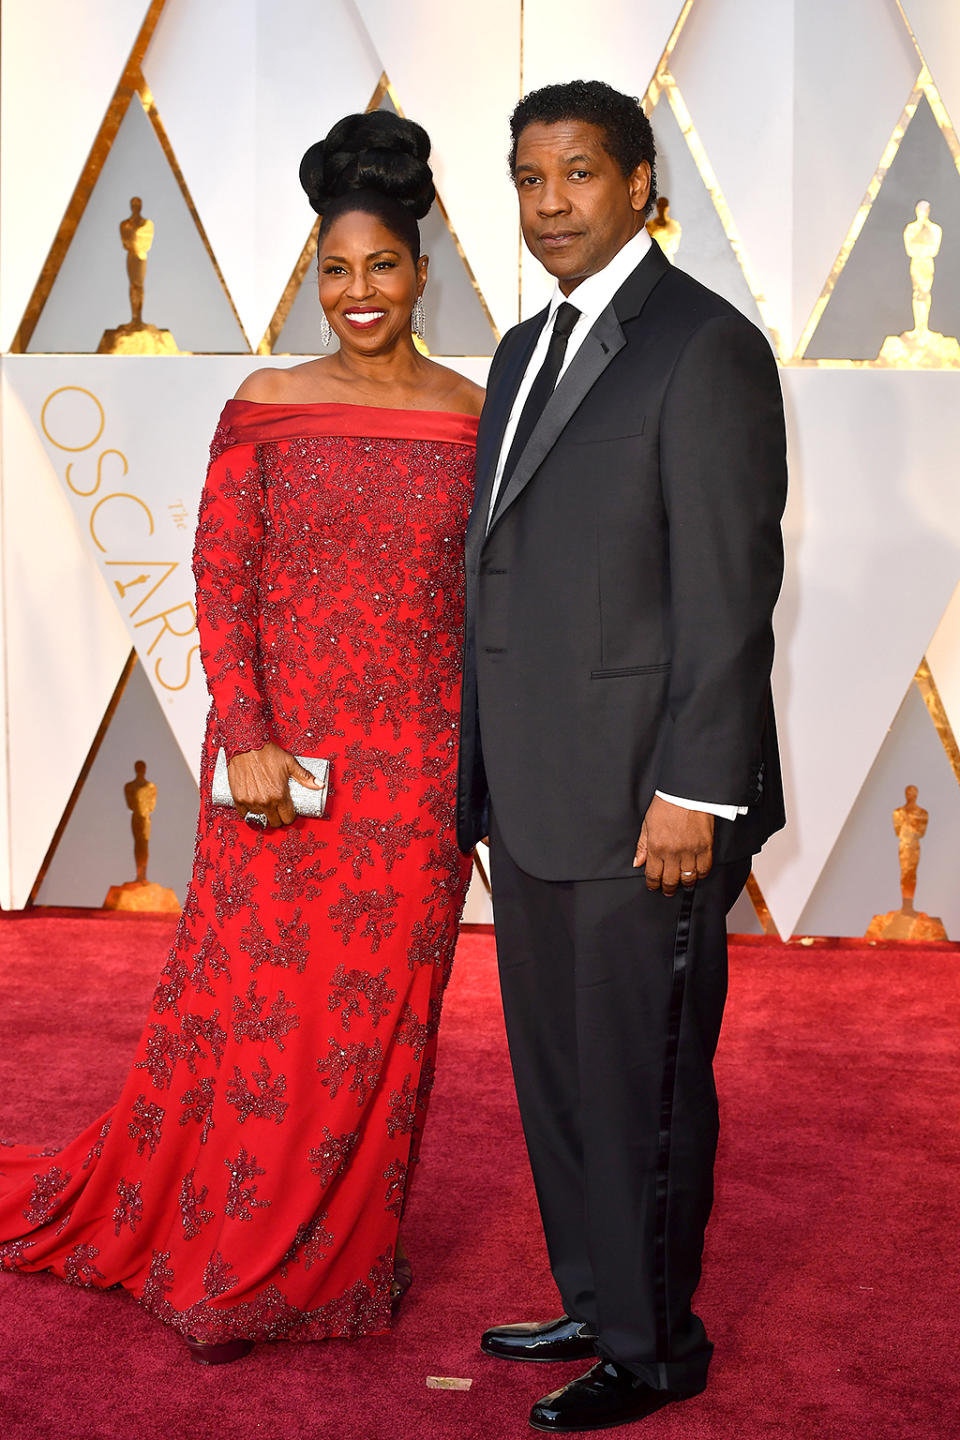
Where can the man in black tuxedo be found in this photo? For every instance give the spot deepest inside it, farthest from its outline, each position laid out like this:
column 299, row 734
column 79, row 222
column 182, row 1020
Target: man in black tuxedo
column 618, row 744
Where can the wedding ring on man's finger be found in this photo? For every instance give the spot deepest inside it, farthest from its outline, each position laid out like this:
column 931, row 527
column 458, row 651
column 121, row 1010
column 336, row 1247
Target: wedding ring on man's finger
column 687, row 874
column 256, row 818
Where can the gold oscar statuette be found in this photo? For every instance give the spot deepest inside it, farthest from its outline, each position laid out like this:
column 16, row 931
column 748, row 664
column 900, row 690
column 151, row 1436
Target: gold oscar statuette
column 910, row 826
column 921, row 347
column 141, row 894
column 664, row 229
column 137, row 338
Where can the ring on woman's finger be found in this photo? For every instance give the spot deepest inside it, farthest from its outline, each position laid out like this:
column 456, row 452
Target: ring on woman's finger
column 255, row 818
column 688, row 874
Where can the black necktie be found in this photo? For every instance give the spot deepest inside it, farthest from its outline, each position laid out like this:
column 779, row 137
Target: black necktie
column 540, row 391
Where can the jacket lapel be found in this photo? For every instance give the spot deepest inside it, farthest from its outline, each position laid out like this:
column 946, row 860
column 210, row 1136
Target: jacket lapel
column 605, row 340
column 496, row 413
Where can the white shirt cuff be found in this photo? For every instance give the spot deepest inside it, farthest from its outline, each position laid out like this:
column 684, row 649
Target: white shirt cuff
column 724, row 812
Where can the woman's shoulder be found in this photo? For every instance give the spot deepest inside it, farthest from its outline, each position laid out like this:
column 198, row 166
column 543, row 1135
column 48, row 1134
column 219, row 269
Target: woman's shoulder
column 457, row 392
column 263, row 387
column 471, row 396
column 281, row 385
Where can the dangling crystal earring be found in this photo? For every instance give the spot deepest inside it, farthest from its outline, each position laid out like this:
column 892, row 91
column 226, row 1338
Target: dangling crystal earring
column 418, row 319
column 325, row 332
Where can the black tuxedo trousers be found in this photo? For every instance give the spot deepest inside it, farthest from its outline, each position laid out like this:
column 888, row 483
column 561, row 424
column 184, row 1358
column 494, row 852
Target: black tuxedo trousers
column 613, row 998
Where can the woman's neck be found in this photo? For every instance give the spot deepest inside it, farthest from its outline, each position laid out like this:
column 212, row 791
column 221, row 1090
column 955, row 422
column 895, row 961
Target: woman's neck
column 399, row 368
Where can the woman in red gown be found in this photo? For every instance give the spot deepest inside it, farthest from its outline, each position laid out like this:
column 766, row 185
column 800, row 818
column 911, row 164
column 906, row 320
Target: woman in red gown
column 249, row 1183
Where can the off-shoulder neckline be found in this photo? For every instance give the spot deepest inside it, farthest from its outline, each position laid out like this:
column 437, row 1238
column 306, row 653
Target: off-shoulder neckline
column 263, row 421
column 347, row 405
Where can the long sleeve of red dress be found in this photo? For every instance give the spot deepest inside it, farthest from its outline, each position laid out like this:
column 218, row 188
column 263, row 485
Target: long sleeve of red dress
column 226, row 567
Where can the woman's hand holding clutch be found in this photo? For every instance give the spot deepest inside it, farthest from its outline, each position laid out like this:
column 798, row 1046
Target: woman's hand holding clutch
column 260, row 783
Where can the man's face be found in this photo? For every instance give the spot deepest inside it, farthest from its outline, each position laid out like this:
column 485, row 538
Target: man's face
column 577, row 208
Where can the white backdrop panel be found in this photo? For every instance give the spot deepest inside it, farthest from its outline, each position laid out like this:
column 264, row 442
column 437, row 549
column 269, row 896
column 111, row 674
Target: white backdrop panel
column 873, row 555
column 51, row 107
column 475, row 367
column 794, row 104
column 202, row 70
column 845, row 110
column 934, row 24
column 705, row 251
column 478, row 909
column 555, row 51
column 943, row 654
column 243, row 87
column 458, row 73
column 66, row 644
column 734, row 65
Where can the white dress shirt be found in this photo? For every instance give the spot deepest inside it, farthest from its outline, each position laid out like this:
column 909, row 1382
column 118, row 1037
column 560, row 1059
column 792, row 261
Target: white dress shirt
column 591, row 297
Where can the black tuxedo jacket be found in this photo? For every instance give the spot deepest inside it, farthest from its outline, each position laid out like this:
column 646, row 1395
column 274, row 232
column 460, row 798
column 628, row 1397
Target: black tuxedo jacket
column 618, row 629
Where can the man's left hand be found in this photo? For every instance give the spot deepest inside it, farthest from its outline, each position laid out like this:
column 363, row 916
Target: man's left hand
column 675, row 845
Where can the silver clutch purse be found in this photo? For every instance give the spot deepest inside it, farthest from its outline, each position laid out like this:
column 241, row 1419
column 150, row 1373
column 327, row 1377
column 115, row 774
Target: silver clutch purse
column 311, row 803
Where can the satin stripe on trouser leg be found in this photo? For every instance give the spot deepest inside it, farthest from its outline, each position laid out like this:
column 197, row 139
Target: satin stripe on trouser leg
column 613, row 1000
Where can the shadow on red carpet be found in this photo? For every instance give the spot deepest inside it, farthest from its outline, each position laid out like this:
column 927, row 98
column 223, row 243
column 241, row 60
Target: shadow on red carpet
column 831, row 1273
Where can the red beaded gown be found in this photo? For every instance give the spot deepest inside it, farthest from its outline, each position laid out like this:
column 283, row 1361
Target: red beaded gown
column 250, row 1180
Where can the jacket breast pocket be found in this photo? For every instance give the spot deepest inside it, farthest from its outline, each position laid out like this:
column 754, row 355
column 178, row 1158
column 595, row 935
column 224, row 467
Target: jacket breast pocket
column 626, row 427
column 617, row 672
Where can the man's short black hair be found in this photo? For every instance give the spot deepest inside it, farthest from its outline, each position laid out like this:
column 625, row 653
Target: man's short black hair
column 627, row 136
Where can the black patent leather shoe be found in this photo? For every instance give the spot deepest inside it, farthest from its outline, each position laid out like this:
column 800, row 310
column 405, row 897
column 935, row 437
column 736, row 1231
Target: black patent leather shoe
column 562, row 1339
column 606, row 1396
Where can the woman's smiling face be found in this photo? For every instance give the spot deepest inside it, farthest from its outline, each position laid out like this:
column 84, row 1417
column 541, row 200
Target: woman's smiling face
column 369, row 282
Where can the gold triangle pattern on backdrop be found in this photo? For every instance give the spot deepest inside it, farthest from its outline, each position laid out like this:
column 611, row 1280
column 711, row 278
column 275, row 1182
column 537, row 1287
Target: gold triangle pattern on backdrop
column 924, row 88
column 761, row 909
column 927, row 689
column 131, row 86
column 930, row 695
column 81, row 779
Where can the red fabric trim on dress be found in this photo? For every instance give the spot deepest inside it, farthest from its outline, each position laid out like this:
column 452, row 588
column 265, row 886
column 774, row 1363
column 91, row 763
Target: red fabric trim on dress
column 250, row 422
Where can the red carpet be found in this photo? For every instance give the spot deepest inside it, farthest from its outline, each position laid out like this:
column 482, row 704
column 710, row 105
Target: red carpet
column 833, row 1262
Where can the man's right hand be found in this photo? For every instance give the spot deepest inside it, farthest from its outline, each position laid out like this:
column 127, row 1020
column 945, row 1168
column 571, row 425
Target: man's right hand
column 260, row 783
column 675, row 846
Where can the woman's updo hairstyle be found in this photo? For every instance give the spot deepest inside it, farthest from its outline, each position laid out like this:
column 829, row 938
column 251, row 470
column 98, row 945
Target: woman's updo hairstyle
column 376, row 163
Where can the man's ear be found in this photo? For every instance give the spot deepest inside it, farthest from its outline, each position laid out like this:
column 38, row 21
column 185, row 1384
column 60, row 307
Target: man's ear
column 639, row 183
